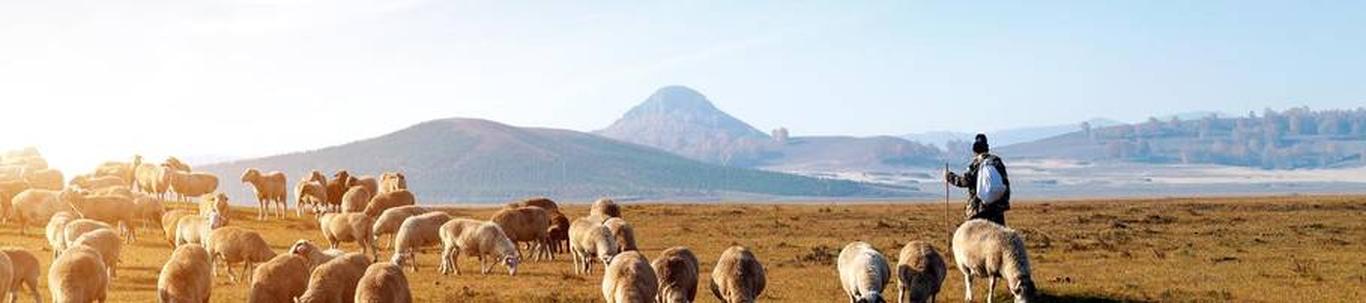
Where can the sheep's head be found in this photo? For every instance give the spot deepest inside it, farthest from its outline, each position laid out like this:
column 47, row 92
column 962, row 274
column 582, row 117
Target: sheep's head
column 1023, row 289
column 341, row 174
column 217, row 220
column 871, row 297
column 303, row 248
column 607, row 247
column 250, row 175
column 511, row 263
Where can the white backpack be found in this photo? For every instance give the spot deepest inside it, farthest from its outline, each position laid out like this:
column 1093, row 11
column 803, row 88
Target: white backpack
column 990, row 185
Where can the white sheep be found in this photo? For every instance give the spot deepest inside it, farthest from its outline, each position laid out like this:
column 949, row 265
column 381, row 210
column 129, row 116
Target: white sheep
column 392, row 181
column 738, row 277
column 194, row 229
column 91, row 182
column 79, row 275
column 56, row 232
column 355, row 199
column 390, row 220
column 25, row 272
column 36, row 206
column 107, row 243
column 148, row 209
column 115, row 210
column 335, row 281
column 75, row 228
column 50, row 179
column 170, row 222
column 484, row 240
column 863, row 272
column 677, row 269
column 383, row 283
column 985, row 249
column 186, row 277
column 279, row 280
column 151, row 178
column 529, row 224
column 920, row 272
column 370, row 184
column 269, row 187
column 388, row 200
column 629, row 279
column 352, row 227
column 231, row 244
column 315, row 256
column 309, row 193
column 6, row 276
column 589, row 239
column 417, row 232
column 192, row 184
column 622, row 232
column 604, row 209
column 218, row 202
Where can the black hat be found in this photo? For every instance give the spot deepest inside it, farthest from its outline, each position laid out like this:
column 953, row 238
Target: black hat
column 979, row 144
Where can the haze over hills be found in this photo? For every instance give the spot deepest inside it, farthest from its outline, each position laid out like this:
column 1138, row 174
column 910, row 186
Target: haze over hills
column 471, row 160
column 1005, row 137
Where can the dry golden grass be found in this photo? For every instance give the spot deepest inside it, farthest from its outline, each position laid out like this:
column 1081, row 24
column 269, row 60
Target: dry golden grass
column 1305, row 249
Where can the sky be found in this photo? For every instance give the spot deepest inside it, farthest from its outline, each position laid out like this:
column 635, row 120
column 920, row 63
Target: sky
column 88, row 81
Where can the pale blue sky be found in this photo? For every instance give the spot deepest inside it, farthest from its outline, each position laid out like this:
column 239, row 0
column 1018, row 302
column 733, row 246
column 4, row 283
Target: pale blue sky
column 252, row 77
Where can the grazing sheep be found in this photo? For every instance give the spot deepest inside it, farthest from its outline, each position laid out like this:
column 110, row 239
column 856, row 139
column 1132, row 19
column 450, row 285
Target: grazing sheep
column 542, row 202
column 588, row 239
column 985, row 249
column 148, row 209
column 218, row 202
column 56, row 232
column 738, row 276
column 383, row 283
column 388, row 200
column 78, row 276
column 355, row 199
column 6, row 275
column 629, row 279
column 170, row 221
column 354, row 227
column 370, row 184
column 335, row 281
column 194, row 229
column 115, row 210
column 279, row 280
column 315, row 256
column 107, row 243
column 192, row 184
column 484, row 240
column 187, row 276
column 336, row 187
column 863, row 272
column 622, row 232
column 152, row 179
column 677, row 268
column 233, row 244
column 312, row 193
column 559, row 232
column 527, row 224
column 269, row 187
column 49, row 179
column 89, row 182
column 417, row 232
column 605, row 208
column 25, row 272
column 392, row 181
column 36, row 205
column 390, row 220
column 920, row 271
column 78, row 227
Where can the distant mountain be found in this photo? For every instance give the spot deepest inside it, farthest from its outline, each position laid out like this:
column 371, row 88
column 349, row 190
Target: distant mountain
column 1005, row 137
column 842, row 153
column 468, row 160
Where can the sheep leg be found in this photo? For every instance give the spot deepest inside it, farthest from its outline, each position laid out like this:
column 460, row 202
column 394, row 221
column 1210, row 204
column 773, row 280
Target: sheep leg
column 967, row 286
column 246, row 271
column 991, row 288
column 231, row 276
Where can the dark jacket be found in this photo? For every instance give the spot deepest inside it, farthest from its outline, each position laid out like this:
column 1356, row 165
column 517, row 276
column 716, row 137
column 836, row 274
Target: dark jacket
column 969, row 180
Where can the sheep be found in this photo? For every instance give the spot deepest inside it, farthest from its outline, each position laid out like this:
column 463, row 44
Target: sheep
column 269, row 187
column 604, row 209
column 11, row 172
column 49, row 179
column 309, row 193
column 115, row 210
column 148, row 209
column 176, row 165
column 74, row 229
column 370, row 184
column 558, row 232
column 192, row 184
column 354, row 227
column 417, row 232
column 186, row 277
column 122, row 170
column 677, row 269
column 107, row 243
column 738, row 276
column 336, row 187
column 170, row 221
column 9, row 189
column 152, row 179
column 313, row 254
column 36, row 205
column 79, row 275
column 629, row 279
column 355, row 199
column 383, row 283
column 863, row 272
column 335, row 281
column 920, row 271
column 6, row 275
column 25, row 271
column 392, row 181
column 317, row 176
column 542, row 202
column 194, row 229
column 279, row 280
column 985, row 249
column 218, row 202
column 390, row 220
column 233, row 244
column 478, row 239
column 622, row 232
column 588, row 239
column 527, row 224
column 91, row 182
column 116, row 191
column 56, row 232
column 389, row 200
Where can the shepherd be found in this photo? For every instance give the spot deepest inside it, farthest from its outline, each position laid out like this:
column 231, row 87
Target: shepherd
column 987, row 184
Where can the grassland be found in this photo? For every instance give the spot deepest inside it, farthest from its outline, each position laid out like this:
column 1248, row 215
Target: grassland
column 1271, row 249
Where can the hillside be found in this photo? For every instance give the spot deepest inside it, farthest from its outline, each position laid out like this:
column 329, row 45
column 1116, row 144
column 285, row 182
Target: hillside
column 1004, row 137
column 467, row 160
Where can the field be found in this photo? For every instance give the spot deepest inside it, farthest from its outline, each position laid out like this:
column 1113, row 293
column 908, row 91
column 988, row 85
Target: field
column 1268, row 249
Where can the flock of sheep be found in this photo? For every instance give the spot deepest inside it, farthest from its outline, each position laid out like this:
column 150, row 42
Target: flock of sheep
column 89, row 221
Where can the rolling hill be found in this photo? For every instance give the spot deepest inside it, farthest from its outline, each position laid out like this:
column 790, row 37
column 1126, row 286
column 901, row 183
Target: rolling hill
column 471, row 160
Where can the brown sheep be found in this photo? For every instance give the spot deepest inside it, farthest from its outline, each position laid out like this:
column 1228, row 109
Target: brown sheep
column 25, row 272
column 370, row 184
column 186, row 277
column 622, row 232
column 176, row 165
column 389, row 200
column 355, row 199
column 354, row 227
column 233, row 244
column 169, row 222
column 559, row 232
column 192, row 184
column 604, row 209
column 677, row 268
column 390, row 220
column 107, row 243
column 269, row 187
column 50, row 179
column 279, row 280
column 629, row 279
column 88, row 182
column 920, row 272
column 337, row 187
column 312, row 194
column 527, row 224
column 335, row 281
column 738, row 276
column 79, row 275
column 542, row 202
column 153, row 179
column 383, row 283
column 392, row 181
column 115, row 210
column 317, row 176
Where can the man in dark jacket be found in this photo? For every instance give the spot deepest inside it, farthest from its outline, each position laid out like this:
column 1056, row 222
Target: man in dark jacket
column 994, row 211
